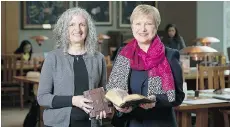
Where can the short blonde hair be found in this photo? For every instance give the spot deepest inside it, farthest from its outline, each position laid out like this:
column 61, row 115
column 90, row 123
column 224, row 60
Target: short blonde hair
column 144, row 9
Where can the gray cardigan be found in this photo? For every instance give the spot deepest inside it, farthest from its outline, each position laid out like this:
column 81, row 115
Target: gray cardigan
column 57, row 78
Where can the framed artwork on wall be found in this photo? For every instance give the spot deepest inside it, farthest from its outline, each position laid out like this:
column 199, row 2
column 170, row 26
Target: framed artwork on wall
column 126, row 9
column 41, row 14
column 101, row 11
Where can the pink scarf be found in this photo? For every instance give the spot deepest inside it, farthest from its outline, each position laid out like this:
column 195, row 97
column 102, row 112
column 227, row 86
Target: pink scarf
column 154, row 61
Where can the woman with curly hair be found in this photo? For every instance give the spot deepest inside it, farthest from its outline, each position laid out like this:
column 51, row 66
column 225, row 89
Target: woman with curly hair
column 74, row 67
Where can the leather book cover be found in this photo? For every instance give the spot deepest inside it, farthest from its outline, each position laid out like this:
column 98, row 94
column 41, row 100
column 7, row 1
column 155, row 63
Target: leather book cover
column 99, row 102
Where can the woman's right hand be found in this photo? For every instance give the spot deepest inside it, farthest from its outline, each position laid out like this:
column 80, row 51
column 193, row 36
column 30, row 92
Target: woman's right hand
column 124, row 110
column 82, row 103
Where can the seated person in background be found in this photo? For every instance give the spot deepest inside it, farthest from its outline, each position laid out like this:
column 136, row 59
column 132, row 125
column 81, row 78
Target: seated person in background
column 173, row 39
column 26, row 49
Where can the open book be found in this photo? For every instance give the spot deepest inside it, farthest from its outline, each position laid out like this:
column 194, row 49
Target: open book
column 122, row 99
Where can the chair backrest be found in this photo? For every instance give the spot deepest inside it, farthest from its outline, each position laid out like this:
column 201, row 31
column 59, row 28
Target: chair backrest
column 112, row 50
column 215, row 74
column 12, row 65
column 108, row 60
column 212, row 58
column 35, row 63
column 108, row 66
column 109, row 69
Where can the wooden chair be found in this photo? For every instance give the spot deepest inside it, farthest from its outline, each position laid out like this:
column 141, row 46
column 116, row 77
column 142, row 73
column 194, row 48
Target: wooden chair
column 216, row 80
column 12, row 66
column 37, row 64
column 35, row 61
column 112, row 50
column 215, row 75
column 109, row 69
column 108, row 65
column 108, row 60
column 226, row 113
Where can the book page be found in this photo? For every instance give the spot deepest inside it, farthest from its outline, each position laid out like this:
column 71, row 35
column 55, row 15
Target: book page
column 116, row 96
column 133, row 97
column 121, row 93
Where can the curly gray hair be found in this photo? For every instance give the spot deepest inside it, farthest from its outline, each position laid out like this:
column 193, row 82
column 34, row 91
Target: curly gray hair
column 61, row 34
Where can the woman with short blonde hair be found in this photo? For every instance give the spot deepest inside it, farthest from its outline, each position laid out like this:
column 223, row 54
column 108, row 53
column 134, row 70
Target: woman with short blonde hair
column 144, row 66
column 146, row 10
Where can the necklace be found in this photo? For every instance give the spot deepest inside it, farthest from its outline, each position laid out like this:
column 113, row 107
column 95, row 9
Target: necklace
column 77, row 58
column 77, row 55
column 80, row 54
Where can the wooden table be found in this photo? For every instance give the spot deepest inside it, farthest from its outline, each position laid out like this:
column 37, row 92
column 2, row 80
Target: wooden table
column 35, row 81
column 184, row 113
column 25, row 79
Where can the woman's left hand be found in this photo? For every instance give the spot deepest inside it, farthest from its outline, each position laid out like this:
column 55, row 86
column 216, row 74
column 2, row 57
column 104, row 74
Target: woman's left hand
column 147, row 105
column 102, row 115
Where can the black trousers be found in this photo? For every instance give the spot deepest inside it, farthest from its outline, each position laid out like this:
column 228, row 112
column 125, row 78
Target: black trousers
column 78, row 123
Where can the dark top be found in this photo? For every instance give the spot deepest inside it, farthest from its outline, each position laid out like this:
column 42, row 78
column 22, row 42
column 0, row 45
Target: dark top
column 174, row 43
column 81, row 84
column 148, row 118
column 162, row 115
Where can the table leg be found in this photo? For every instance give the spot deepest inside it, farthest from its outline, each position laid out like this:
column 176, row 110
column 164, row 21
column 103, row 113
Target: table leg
column 21, row 95
column 202, row 118
column 183, row 119
column 217, row 117
column 41, row 116
column 186, row 119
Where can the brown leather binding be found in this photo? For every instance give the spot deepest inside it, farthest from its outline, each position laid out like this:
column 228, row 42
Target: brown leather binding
column 99, row 102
